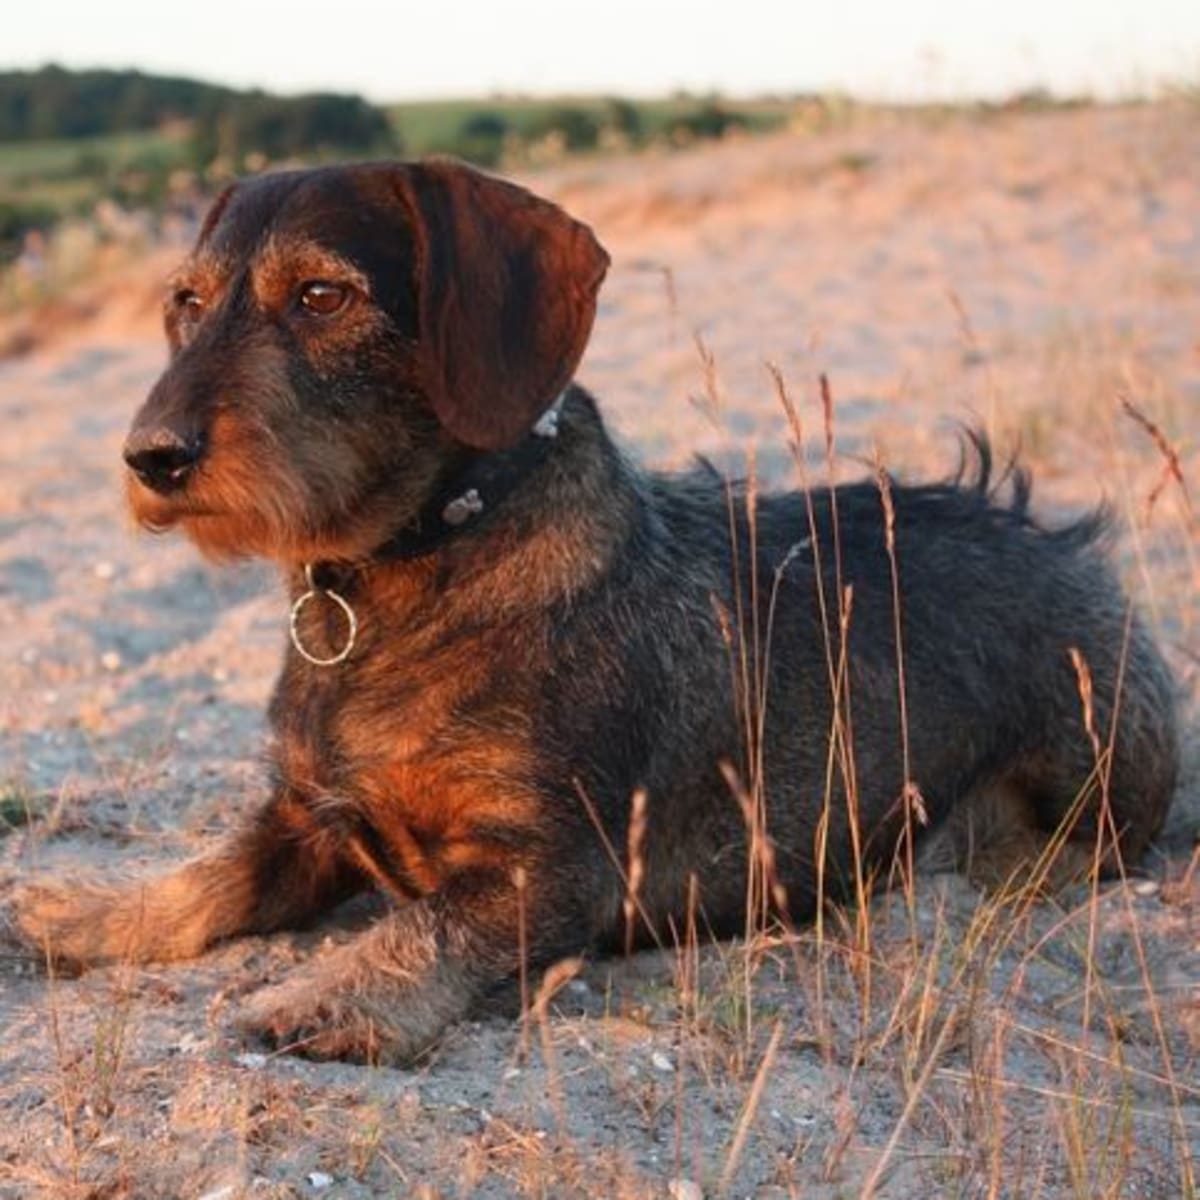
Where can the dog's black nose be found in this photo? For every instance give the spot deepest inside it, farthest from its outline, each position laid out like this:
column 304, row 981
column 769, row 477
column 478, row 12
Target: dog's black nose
column 162, row 458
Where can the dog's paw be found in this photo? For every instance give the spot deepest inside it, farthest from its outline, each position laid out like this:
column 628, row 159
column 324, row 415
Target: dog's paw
column 53, row 921
column 303, row 1017
column 74, row 925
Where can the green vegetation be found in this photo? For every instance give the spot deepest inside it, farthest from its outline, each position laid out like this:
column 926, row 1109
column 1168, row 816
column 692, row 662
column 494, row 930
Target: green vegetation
column 71, row 139
column 43, row 181
column 488, row 132
column 19, row 806
column 56, row 104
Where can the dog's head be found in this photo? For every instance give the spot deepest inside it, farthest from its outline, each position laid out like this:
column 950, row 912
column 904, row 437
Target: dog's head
column 340, row 338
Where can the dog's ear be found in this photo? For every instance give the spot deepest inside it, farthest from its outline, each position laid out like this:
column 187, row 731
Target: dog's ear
column 506, row 296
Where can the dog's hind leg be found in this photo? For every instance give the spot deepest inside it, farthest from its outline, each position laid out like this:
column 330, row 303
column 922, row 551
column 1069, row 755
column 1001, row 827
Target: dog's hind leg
column 1090, row 793
column 1106, row 771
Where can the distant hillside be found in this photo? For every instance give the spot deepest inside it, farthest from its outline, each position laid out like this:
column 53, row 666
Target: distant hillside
column 89, row 146
column 54, row 104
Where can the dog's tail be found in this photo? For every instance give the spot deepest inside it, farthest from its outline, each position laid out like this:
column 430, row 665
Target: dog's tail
column 1008, row 492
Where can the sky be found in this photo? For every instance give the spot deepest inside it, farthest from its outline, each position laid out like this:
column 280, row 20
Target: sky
column 903, row 49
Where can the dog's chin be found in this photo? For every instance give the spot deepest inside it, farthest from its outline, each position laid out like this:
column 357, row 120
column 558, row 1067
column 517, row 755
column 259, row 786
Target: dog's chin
column 224, row 536
column 215, row 533
column 152, row 512
column 233, row 524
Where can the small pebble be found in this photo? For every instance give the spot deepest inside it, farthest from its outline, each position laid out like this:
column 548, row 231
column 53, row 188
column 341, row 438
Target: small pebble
column 318, row 1180
column 661, row 1062
column 251, row 1061
column 190, row 1044
column 221, row 1193
column 104, row 570
column 110, row 660
column 1147, row 887
column 684, row 1189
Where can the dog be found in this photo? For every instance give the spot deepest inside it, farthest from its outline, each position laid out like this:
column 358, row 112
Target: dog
column 502, row 630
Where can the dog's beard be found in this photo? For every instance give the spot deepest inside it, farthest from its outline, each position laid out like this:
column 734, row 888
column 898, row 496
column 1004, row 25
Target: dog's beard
column 245, row 511
column 231, row 513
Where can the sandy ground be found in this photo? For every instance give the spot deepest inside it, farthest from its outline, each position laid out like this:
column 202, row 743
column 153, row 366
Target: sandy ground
column 1023, row 274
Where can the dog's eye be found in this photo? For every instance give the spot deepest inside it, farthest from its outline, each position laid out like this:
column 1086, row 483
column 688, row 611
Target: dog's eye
column 188, row 304
column 323, row 299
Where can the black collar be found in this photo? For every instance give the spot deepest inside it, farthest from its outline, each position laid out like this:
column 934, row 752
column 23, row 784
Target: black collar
column 473, row 494
column 465, row 502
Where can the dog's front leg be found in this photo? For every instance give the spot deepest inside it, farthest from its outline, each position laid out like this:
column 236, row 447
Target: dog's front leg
column 389, row 993
column 277, row 870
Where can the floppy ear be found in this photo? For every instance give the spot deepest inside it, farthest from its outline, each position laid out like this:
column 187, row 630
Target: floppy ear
column 506, row 296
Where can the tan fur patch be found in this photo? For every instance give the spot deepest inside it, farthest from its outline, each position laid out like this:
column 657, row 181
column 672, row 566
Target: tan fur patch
column 284, row 263
column 206, row 273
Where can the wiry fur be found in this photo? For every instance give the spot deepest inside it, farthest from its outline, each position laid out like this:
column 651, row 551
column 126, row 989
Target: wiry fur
column 604, row 630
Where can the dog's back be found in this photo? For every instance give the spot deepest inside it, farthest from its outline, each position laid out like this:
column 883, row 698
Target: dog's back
column 976, row 657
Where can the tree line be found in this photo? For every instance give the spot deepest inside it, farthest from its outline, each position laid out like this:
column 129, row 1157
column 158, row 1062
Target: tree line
column 53, row 103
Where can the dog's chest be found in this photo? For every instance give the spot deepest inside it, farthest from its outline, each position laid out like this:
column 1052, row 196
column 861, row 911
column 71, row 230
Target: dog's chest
column 426, row 772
